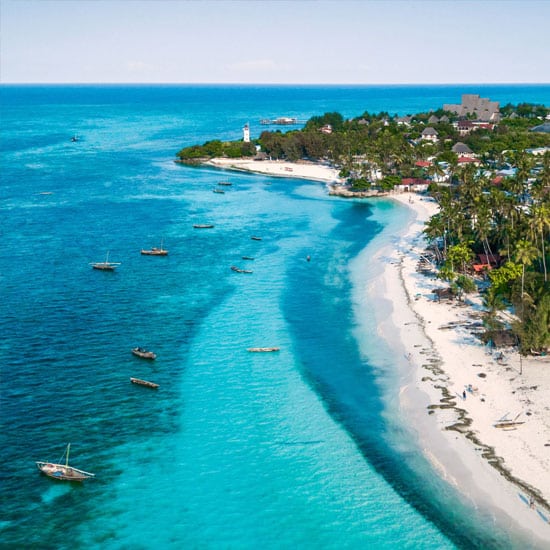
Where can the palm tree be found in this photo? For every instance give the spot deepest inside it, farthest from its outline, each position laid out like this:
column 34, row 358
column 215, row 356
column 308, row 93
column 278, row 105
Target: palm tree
column 539, row 222
column 525, row 254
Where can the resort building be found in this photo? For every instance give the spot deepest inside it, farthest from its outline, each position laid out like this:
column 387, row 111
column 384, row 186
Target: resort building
column 429, row 134
column 462, row 150
column 481, row 107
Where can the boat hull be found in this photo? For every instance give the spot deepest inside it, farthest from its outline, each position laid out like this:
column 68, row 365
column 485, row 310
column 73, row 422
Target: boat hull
column 62, row 472
column 144, row 354
column 145, row 383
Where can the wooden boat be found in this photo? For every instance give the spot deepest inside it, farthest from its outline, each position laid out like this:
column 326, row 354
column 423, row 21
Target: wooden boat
column 155, row 251
column 143, row 353
column 227, row 183
column 218, row 191
column 146, row 383
column 202, row 225
column 106, row 265
column 263, row 349
column 238, row 270
column 256, row 238
column 248, row 258
column 63, row 472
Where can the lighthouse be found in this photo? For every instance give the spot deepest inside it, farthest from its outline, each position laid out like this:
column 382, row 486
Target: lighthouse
column 246, row 133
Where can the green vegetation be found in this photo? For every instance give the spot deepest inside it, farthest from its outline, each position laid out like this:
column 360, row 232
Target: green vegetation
column 483, row 209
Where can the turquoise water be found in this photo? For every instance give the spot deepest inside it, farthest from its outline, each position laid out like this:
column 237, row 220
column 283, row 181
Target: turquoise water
column 235, row 450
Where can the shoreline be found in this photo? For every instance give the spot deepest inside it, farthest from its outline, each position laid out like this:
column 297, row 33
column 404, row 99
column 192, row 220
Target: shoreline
column 490, row 466
column 277, row 168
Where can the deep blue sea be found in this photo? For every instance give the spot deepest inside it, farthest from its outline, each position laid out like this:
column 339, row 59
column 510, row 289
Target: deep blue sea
column 293, row 449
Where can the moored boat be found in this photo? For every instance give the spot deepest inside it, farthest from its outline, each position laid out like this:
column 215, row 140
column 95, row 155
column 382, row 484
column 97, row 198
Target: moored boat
column 63, row 472
column 239, row 270
column 154, row 251
column 143, row 353
column 254, row 238
column 248, row 258
column 106, row 265
column 218, row 191
column 263, row 349
column 226, row 183
column 203, row 225
column 146, row 383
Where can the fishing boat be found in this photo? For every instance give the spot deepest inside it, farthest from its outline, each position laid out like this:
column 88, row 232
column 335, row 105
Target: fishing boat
column 227, row 183
column 256, row 238
column 203, row 225
column 143, row 353
column 106, row 265
column 155, row 251
column 248, row 258
column 221, row 191
column 146, row 383
column 239, row 270
column 63, row 472
column 263, row 349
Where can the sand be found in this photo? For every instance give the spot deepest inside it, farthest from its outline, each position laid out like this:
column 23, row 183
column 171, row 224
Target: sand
column 494, row 468
column 301, row 170
column 491, row 465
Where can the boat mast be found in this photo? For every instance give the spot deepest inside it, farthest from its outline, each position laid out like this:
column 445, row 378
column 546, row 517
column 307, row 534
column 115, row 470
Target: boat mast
column 68, row 450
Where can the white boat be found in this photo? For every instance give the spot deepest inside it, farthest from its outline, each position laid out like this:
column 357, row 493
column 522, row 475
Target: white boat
column 63, row 472
column 106, row 265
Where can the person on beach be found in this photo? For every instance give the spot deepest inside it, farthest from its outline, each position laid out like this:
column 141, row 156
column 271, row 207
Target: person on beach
column 463, row 394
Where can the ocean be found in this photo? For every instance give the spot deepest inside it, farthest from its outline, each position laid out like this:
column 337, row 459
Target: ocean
column 294, row 449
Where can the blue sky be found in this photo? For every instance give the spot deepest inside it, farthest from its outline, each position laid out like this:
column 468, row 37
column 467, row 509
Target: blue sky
column 227, row 41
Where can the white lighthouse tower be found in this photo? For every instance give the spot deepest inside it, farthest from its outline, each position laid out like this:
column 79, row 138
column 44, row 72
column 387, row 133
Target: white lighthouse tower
column 246, row 133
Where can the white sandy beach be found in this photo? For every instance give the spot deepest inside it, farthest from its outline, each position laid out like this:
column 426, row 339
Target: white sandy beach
column 278, row 168
column 490, row 466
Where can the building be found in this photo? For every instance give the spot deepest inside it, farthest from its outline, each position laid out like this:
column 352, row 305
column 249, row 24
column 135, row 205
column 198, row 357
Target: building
column 462, row 150
column 481, row 107
column 246, row 133
column 429, row 134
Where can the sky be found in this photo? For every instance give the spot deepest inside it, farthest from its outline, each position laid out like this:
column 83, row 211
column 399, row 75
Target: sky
column 280, row 42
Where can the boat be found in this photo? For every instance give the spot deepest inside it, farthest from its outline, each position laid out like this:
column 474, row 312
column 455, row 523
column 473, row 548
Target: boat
column 203, row 225
column 106, row 265
column 256, row 238
column 227, row 183
column 63, row 472
column 248, row 258
column 74, row 138
column 218, row 191
column 146, row 383
column 155, row 251
column 143, row 353
column 263, row 349
column 239, row 270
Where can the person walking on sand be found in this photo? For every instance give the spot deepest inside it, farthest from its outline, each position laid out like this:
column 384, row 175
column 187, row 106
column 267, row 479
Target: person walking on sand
column 463, row 394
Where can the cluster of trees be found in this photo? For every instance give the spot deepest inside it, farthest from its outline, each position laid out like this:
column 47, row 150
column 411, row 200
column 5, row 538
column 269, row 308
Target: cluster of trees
column 510, row 222
column 216, row 148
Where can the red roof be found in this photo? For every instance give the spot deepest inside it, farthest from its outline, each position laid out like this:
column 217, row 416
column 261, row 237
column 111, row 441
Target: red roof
column 496, row 180
column 464, row 160
column 422, row 163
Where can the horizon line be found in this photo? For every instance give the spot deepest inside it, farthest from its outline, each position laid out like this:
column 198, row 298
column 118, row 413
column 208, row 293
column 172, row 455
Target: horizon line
column 98, row 83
